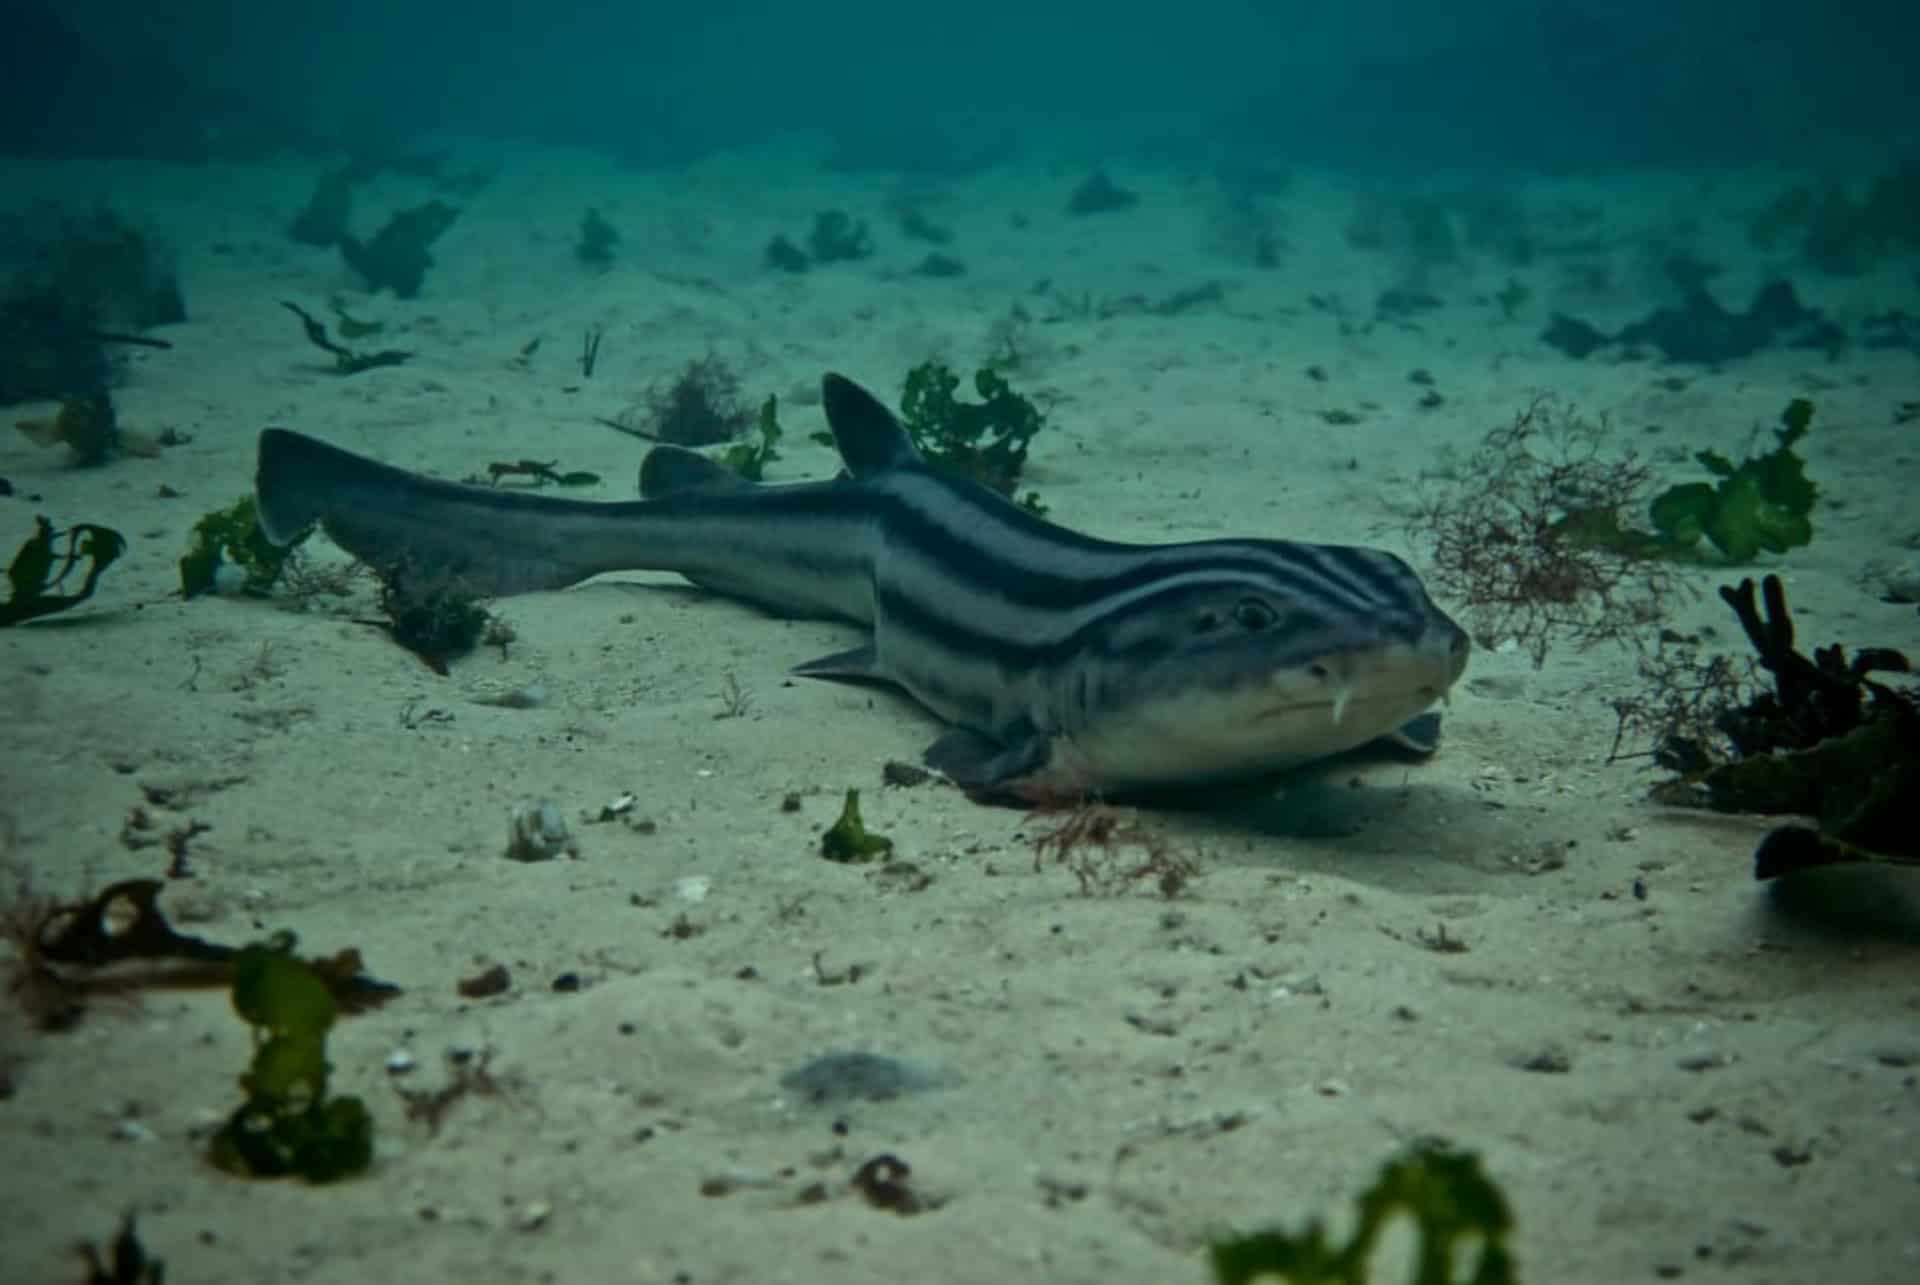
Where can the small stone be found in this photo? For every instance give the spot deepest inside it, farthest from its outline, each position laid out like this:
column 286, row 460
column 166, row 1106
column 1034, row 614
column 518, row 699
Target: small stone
column 618, row 808
column 491, row 981
column 535, row 1215
column 131, row 1131
column 537, row 832
column 399, row 1062
column 1552, row 1060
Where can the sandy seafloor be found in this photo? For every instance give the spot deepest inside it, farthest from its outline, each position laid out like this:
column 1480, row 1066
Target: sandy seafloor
column 1111, row 1080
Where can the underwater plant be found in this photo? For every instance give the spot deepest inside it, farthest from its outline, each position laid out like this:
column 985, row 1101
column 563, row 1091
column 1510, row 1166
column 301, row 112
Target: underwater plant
column 37, row 569
column 849, row 840
column 88, row 283
column 346, row 361
column 232, row 537
column 1547, row 534
column 323, row 220
column 1455, row 1207
column 1528, row 535
column 700, row 406
column 288, row 1125
column 985, row 440
column 88, row 426
column 597, row 240
column 1826, row 740
column 837, row 237
column 1762, row 503
column 397, row 258
column 750, row 458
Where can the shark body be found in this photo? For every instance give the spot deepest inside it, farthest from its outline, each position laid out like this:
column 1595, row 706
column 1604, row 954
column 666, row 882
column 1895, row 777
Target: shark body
column 1065, row 665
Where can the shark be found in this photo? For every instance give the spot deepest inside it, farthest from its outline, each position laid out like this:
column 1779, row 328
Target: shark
column 1063, row 665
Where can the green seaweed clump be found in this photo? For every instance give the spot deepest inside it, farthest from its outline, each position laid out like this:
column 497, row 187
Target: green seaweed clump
column 849, row 840
column 597, row 242
column 984, row 440
column 31, row 574
column 397, row 257
column 232, row 536
column 288, row 1124
column 750, row 458
column 1452, row 1203
column 1763, row 502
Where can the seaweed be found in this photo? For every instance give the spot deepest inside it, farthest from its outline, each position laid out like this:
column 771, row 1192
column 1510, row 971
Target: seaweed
column 1093, row 841
column 1829, row 741
column 89, row 282
column 351, row 327
column 782, row 255
column 88, row 426
column 111, row 270
column 849, row 840
column 939, row 267
column 1546, row 534
column 125, row 1260
column 1839, row 235
column 346, row 361
column 1531, row 536
column 699, row 407
column 232, row 537
column 1099, row 194
column 750, row 458
column 1762, row 503
column 597, row 240
column 837, row 237
column 288, row 1125
column 323, row 220
column 33, row 574
column 68, row 951
column 1453, row 1204
column 986, row 440
column 1701, row 331
column 397, row 258
column 437, row 621
column 919, row 227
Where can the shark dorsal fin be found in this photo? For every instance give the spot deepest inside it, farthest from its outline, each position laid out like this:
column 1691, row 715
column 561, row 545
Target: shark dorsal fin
column 669, row 470
column 869, row 435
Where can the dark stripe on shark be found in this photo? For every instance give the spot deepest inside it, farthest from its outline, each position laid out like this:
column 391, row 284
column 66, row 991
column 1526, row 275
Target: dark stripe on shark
column 929, row 626
column 962, row 540
column 978, row 540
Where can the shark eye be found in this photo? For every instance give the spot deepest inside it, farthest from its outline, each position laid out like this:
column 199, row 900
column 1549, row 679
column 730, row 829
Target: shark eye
column 1253, row 614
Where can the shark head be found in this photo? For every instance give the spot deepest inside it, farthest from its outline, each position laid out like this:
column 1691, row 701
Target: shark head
column 1278, row 656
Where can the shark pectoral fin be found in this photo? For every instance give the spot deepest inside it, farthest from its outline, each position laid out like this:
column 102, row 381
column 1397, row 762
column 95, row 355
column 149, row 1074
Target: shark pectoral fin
column 1419, row 735
column 669, row 470
column 981, row 765
column 860, row 665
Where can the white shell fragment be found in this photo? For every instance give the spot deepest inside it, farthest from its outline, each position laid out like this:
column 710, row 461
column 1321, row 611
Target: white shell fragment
column 537, row 832
column 617, row 808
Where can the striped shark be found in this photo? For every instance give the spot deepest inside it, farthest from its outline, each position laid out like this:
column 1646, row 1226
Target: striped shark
column 1065, row 665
